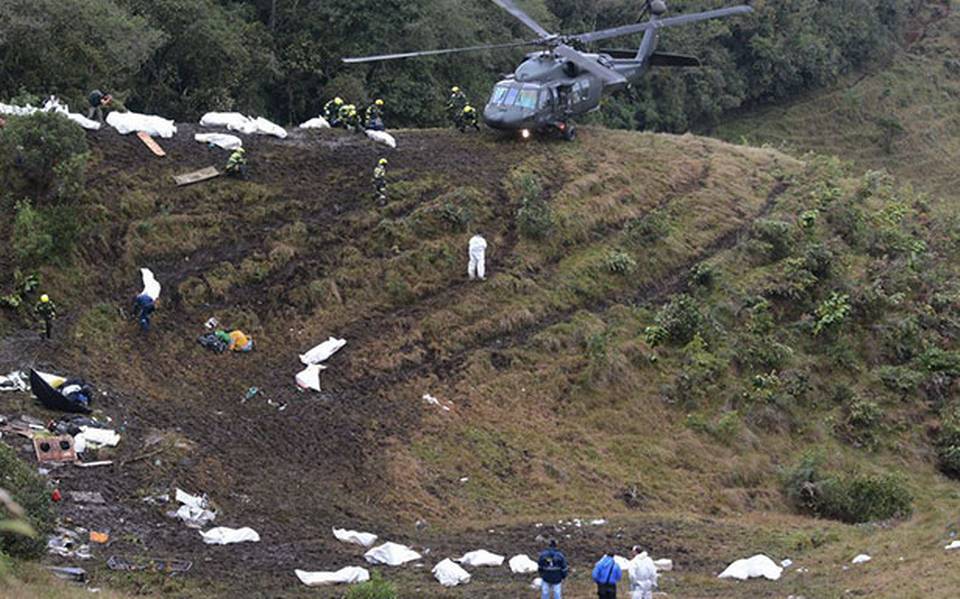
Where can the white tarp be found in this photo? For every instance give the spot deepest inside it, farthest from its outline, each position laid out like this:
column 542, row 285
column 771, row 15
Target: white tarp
column 348, row 575
column 391, row 554
column 364, row 539
column 450, row 574
column 15, row 381
column 234, row 121
column 754, row 567
column 861, row 559
column 132, row 122
column 382, row 137
column 315, row 123
column 225, row 536
column 52, row 105
column 953, row 545
column 481, row 557
column 322, row 352
column 221, row 140
column 309, row 377
column 151, row 286
column 194, row 512
column 522, row 564
column 666, row 565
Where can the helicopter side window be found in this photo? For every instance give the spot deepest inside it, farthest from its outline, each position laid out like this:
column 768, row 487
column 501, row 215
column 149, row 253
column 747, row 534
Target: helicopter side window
column 528, row 98
column 511, row 96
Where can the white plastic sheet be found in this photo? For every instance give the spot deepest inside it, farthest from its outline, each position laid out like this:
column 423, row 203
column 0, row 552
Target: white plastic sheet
column 221, row 140
column 316, row 123
column 953, row 545
column 666, row 565
column 234, row 121
column 15, row 381
column 450, row 574
column 861, row 559
column 755, row 567
column 364, row 539
column 382, row 137
column 481, row 557
column 309, row 377
column 151, row 286
column 348, row 575
column 132, row 122
column 193, row 510
column 225, row 536
column 522, row 564
column 391, row 554
column 52, row 105
column 90, row 436
column 322, row 352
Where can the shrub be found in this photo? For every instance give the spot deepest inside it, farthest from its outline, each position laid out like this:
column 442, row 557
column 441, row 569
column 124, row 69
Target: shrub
column 40, row 143
column 650, row 228
column 703, row 275
column 792, row 281
column 619, row 262
column 32, row 241
column 861, row 421
column 777, row 237
column 901, row 379
column 676, row 322
column 941, row 362
column 831, row 313
column 948, row 447
column 853, row 498
column 30, row 491
column 375, row 588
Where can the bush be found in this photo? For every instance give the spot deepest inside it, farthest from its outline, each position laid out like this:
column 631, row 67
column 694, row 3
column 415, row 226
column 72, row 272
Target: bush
column 535, row 217
column 703, row 275
column 32, row 241
column 375, row 588
column 776, row 237
column 831, row 313
column 861, row 421
column 38, row 144
column 619, row 262
column 30, row 491
column 650, row 228
column 853, row 498
column 948, row 447
column 676, row 322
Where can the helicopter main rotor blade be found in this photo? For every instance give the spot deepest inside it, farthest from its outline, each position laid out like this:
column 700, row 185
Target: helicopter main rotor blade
column 380, row 57
column 586, row 38
column 523, row 17
column 608, row 76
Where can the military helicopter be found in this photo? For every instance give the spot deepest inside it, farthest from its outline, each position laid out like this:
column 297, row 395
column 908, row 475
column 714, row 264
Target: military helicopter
column 560, row 82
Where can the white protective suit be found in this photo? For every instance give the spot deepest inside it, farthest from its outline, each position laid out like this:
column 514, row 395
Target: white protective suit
column 478, row 247
column 643, row 577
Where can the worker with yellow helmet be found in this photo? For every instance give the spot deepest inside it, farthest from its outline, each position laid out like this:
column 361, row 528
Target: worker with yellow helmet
column 468, row 118
column 373, row 117
column 47, row 311
column 331, row 111
column 380, row 180
column 456, row 103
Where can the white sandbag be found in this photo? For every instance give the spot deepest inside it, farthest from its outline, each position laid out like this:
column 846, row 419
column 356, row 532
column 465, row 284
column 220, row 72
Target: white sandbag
column 265, row 127
column 132, row 122
column 309, row 377
column 391, row 554
column 90, row 436
column 322, row 352
column 861, row 559
column 151, row 286
column 225, row 536
column 754, row 567
column 364, row 539
column 316, row 123
column 233, row 121
column 481, row 557
column 522, row 564
column 221, row 140
column 348, row 575
column 382, row 137
column 953, row 545
column 450, row 574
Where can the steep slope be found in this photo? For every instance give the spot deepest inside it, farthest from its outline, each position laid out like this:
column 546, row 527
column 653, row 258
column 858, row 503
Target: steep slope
column 611, row 366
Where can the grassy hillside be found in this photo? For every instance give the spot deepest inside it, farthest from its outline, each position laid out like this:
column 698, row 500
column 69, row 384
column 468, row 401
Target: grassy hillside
column 668, row 325
column 902, row 117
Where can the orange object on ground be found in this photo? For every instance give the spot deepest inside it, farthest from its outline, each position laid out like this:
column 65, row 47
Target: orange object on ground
column 150, row 143
column 99, row 537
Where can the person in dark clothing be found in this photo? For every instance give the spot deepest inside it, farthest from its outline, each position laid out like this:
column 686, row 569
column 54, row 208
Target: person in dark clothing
column 553, row 569
column 606, row 573
column 98, row 101
column 47, row 311
column 143, row 307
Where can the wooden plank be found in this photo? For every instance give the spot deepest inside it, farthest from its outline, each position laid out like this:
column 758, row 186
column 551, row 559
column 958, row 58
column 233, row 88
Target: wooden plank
column 196, row 176
column 151, row 143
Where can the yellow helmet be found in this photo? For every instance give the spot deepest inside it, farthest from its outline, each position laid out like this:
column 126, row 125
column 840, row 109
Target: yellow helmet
column 379, row 102
column 338, row 100
column 454, row 89
column 383, row 161
column 44, row 299
column 468, row 109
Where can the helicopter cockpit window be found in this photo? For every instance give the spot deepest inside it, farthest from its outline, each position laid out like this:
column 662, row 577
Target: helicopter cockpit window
column 499, row 93
column 511, row 96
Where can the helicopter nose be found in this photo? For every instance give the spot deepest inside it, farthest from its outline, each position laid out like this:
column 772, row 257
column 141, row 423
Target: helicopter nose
column 494, row 117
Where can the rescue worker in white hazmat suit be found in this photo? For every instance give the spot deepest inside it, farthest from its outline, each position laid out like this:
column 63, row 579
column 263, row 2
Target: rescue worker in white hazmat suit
column 643, row 575
column 477, row 250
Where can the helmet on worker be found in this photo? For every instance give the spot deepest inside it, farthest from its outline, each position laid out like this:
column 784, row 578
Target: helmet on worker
column 455, row 89
column 338, row 100
column 383, row 161
column 44, row 299
column 379, row 102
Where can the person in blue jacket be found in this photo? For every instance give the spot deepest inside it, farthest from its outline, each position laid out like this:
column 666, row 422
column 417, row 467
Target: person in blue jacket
column 143, row 307
column 607, row 574
column 553, row 569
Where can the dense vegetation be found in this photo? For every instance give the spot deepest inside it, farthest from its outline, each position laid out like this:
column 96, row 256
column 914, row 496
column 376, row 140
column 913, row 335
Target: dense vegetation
column 281, row 58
